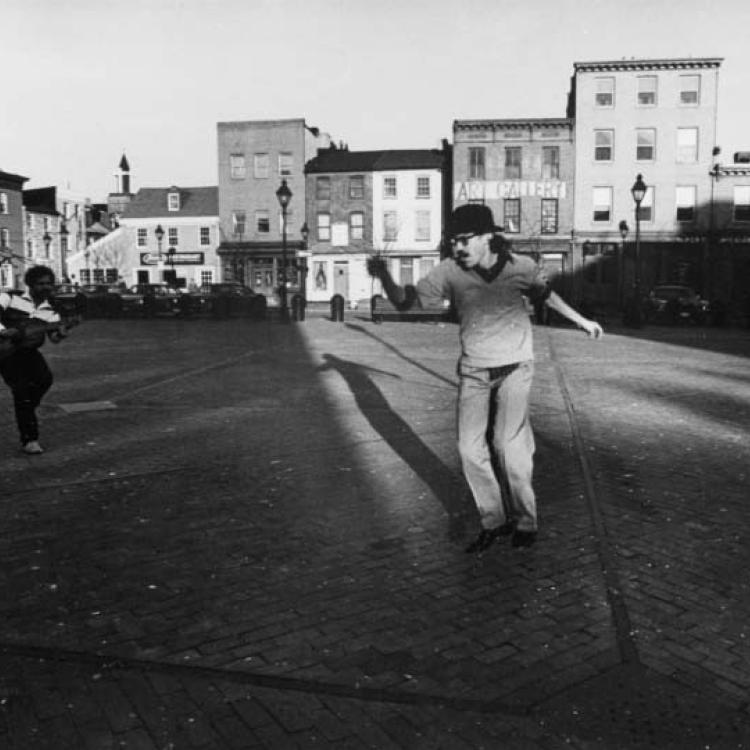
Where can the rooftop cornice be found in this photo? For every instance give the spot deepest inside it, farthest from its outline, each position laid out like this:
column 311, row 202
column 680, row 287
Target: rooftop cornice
column 665, row 64
column 544, row 122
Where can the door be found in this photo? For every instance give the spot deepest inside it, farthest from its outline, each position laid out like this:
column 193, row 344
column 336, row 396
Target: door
column 262, row 277
column 341, row 278
column 143, row 277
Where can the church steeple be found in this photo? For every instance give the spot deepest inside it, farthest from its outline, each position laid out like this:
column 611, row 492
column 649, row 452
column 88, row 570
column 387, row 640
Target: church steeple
column 124, row 176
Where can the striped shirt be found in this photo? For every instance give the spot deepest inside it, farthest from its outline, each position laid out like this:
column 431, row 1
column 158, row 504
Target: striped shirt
column 16, row 309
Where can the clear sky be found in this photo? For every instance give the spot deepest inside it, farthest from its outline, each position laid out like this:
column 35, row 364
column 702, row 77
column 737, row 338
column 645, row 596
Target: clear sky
column 85, row 80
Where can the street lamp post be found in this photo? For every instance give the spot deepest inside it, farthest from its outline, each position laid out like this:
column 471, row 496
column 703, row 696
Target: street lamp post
column 64, row 249
column 638, row 192
column 87, row 255
column 624, row 229
column 284, row 194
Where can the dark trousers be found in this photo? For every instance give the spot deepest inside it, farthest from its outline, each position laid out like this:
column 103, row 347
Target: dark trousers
column 29, row 378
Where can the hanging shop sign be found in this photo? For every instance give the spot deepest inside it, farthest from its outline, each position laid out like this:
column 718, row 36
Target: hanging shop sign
column 481, row 190
column 176, row 259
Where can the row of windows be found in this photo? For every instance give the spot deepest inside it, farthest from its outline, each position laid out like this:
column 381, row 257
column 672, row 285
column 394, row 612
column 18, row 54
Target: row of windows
column 173, row 236
column 357, row 187
column 647, row 91
column 513, row 163
column 261, row 165
column 262, row 221
column 391, row 226
column 645, row 145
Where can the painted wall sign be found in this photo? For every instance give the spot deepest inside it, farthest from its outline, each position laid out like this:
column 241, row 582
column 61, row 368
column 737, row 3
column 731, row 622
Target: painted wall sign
column 178, row 259
column 480, row 190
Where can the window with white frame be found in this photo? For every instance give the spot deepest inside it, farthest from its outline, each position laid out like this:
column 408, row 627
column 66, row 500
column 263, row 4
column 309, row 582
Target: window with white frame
column 549, row 215
column 742, row 202
column 647, row 91
column 646, row 208
column 207, row 277
column 645, row 144
column 604, row 145
column 357, row 187
column 237, row 166
column 390, row 226
column 550, row 162
column 512, row 215
column 4, row 237
column 389, row 187
column 356, row 225
column 324, row 227
column 142, row 237
column 173, row 201
column 323, row 188
column 285, row 163
column 262, row 221
column 602, row 199
column 172, row 236
column 685, row 199
column 239, row 219
column 687, row 145
column 422, row 226
column 3, row 203
column 423, row 187
column 205, row 233
column 690, row 90
column 604, row 92
column 261, row 166
column 476, row 163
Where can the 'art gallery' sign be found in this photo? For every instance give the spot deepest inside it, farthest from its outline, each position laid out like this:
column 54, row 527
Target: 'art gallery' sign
column 482, row 190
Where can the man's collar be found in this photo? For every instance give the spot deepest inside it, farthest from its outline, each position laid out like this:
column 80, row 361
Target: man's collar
column 491, row 273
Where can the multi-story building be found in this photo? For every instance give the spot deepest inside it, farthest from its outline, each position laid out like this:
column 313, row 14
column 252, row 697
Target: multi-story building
column 254, row 158
column 523, row 169
column 164, row 235
column 360, row 203
column 12, row 254
column 45, row 231
column 656, row 118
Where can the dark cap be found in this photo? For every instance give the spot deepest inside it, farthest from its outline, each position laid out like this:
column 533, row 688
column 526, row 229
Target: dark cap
column 472, row 218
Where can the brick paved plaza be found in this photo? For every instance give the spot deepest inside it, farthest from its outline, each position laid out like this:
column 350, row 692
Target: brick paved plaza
column 250, row 535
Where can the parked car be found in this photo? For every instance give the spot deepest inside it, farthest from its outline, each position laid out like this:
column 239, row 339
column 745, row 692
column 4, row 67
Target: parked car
column 69, row 300
column 675, row 303
column 223, row 300
column 102, row 300
column 148, row 300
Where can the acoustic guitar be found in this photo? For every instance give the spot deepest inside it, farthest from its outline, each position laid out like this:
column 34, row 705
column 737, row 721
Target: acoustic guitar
column 30, row 334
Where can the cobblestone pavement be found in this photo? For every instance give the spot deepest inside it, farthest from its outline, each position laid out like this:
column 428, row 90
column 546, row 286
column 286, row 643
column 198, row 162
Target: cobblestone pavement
column 251, row 535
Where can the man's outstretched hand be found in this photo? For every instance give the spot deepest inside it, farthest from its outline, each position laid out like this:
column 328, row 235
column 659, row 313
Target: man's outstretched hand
column 594, row 330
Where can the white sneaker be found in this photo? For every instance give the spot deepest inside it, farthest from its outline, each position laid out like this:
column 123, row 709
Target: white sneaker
column 32, row 447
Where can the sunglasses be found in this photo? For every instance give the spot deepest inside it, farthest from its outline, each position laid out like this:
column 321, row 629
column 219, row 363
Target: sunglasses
column 462, row 239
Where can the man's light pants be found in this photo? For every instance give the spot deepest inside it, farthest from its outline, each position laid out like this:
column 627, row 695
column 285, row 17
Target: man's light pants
column 512, row 439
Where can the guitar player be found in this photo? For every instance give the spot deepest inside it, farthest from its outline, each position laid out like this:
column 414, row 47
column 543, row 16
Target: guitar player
column 24, row 370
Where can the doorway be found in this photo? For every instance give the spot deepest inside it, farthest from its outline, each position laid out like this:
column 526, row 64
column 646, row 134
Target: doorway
column 341, row 278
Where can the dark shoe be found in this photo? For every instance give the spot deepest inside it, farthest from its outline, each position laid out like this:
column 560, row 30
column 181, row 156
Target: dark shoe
column 523, row 538
column 487, row 537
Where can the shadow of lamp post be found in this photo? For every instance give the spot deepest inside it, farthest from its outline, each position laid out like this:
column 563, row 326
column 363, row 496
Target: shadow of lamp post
column 284, row 194
column 635, row 318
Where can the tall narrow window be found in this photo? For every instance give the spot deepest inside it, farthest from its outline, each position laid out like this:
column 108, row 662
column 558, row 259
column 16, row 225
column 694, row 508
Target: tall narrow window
column 742, row 202
column 605, row 92
column 690, row 90
column 356, row 225
column 512, row 215
column 261, row 166
column 604, row 145
column 262, row 221
column 476, row 163
column 646, row 209
column 285, row 164
column 602, row 203
column 550, row 162
column 513, row 163
column 389, row 187
column 645, row 148
column 323, row 188
column 3, row 203
column 237, row 166
column 423, row 187
column 647, row 91
column 172, row 237
column 357, row 187
column 324, row 227
column 238, row 223
column 390, row 226
column 142, row 238
column 4, row 237
column 687, row 145
column 422, row 226
column 685, row 200
column 549, row 215
column 173, row 201
column 205, row 233
column 406, row 271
